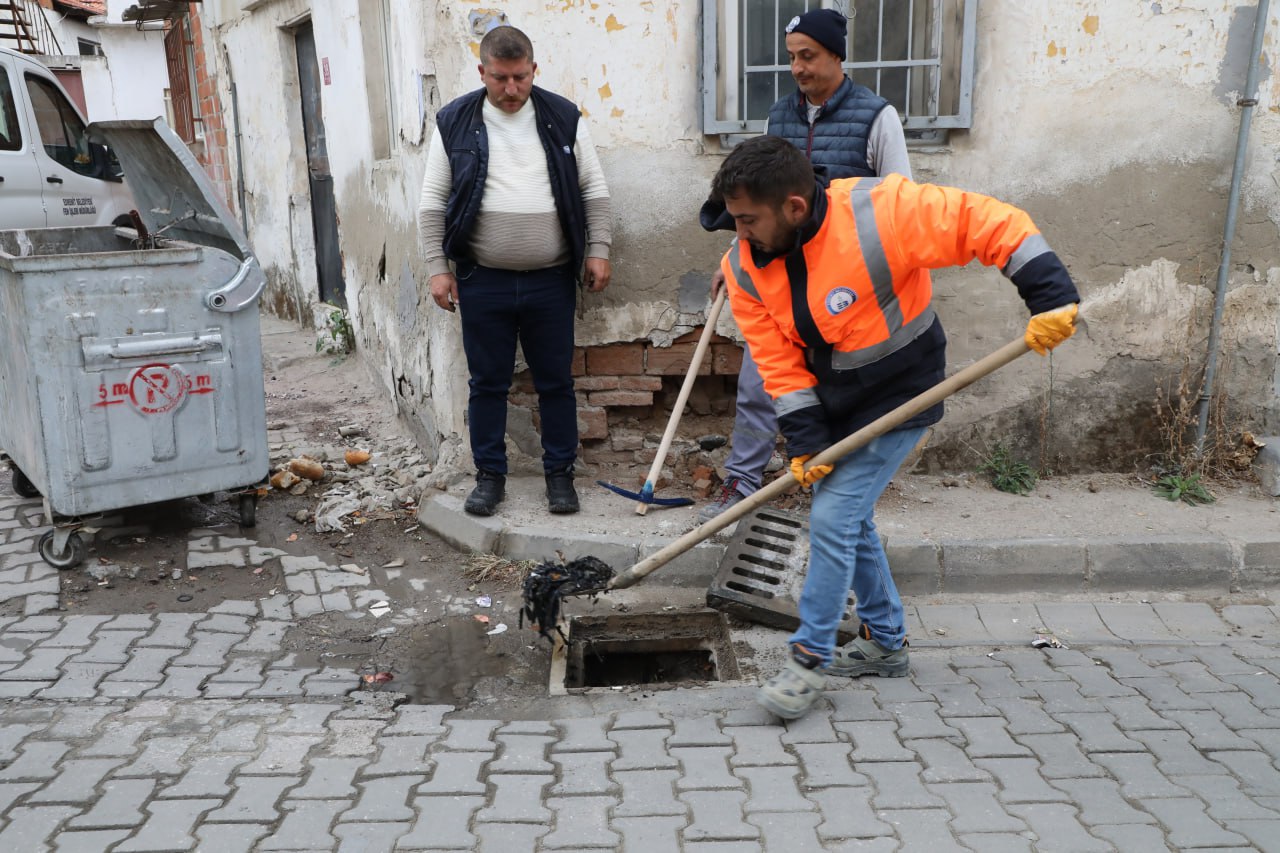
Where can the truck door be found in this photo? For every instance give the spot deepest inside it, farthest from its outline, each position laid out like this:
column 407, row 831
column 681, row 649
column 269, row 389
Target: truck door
column 21, row 184
column 73, row 192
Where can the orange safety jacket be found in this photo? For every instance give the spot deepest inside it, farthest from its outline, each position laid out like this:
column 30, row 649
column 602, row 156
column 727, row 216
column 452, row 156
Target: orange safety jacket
column 857, row 288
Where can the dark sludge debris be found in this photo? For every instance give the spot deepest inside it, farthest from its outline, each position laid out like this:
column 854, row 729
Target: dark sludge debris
column 548, row 583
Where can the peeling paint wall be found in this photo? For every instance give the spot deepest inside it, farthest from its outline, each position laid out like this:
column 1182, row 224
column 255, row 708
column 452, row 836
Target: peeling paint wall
column 1113, row 124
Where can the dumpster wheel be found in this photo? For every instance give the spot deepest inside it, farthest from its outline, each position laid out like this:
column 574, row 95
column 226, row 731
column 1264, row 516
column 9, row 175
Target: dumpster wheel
column 249, row 509
column 70, row 558
column 22, row 485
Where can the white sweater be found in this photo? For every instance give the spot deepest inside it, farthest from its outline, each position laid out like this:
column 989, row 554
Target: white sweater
column 517, row 227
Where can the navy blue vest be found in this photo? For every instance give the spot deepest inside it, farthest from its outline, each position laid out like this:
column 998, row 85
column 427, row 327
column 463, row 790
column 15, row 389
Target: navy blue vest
column 462, row 130
column 839, row 140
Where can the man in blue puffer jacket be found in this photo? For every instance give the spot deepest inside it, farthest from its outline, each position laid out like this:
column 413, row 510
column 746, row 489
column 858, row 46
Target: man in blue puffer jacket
column 851, row 132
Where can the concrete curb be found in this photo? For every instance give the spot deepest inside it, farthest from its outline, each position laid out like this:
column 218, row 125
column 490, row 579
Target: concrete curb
column 923, row 566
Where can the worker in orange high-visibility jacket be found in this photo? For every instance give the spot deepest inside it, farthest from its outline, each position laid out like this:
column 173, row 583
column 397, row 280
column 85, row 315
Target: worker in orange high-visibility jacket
column 830, row 287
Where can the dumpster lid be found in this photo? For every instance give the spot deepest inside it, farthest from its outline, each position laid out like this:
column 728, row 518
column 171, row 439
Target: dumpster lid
column 175, row 197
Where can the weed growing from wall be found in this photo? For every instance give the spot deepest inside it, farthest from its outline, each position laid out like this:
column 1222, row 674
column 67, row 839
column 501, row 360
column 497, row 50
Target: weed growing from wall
column 1008, row 474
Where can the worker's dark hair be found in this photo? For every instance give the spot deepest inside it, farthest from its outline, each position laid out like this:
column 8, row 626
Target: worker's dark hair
column 507, row 43
column 767, row 169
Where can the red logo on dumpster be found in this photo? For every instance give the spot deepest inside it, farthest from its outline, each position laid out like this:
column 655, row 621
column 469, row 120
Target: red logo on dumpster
column 157, row 388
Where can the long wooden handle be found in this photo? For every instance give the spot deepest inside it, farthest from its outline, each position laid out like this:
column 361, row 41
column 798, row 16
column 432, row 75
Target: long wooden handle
column 845, row 446
column 707, row 331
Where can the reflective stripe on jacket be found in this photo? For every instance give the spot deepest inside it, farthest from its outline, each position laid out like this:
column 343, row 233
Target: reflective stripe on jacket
column 864, row 278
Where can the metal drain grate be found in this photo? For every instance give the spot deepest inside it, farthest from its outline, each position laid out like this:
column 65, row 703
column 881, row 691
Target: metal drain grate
column 763, row 571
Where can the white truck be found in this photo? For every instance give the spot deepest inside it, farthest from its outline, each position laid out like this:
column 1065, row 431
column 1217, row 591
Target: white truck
column 50, row 174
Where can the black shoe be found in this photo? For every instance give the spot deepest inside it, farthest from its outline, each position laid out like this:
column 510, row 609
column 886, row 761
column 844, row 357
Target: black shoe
column 561, row 497
column 488, row 493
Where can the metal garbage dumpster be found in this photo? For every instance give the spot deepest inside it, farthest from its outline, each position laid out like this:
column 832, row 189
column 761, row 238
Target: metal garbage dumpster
column 130, row 358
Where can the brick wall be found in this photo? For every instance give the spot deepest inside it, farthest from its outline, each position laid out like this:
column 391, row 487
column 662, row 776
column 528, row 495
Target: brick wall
column 626, row 392
column 215, row 156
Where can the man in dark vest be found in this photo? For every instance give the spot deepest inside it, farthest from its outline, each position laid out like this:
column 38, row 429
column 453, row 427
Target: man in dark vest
column 851, row 132
column 518, row 228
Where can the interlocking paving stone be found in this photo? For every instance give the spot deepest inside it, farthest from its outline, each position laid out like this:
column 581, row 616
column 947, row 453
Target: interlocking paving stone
column 36, row 761
column 401, row 755
column 976, row 808
column 1255, row 770
column 706, row 768
column 997, row 684
column 1226, row 800
column 1208, row 732
column 306, row 825
column 1188, row 826
column 455, row 773
column 788, row 830
column 1192, row 620
column 580, row 822
column 587, row 734
column 923, row 829
column 1026, row 716
column 698, row 731
column 640, row 720
column 1175, row 756
column 584, row 773
column 76, row 781
column 898, row 785
column 1057, row 827
column 169, row 826
column 647, row 793
column 827, row 765
column 506, row 837
column 1060, row 756
column 773, row 789
column 383, row 799
column 639, row 833
column 363, row 837
column 1137, row 775
column 76, row 631
column 526, row 753
column 120, row 805
column 717, row 816
column 418, row 720
column 814, row 727
column 960, row 700
column 848, row 814
column 920, row 720
column 875, row 740
column 642, row 749
column 29, row 826
column 1261, row 833
column 254, row 800
column 93, row 840
column 756, row 746
column 441, row 824
column 207, row 776
column 1133, row 836
column 470, row 736
column 997, row 842
column 1064, row 697
column 946, row 762
column 1263, row 689
column 988, row 737
column 1100, row 802
column 517, row 799
column 1020, row 780
column 1099, row 733
column 858, row 705
column 329, row 779
column 1239, row 712
column 1132, row 713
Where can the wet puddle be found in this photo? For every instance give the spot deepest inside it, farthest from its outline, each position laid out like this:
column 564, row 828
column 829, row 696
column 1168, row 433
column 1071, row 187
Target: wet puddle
column 436, row 664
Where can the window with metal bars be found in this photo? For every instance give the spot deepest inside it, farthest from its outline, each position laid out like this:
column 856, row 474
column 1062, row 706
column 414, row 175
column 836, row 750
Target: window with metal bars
column 917, row 54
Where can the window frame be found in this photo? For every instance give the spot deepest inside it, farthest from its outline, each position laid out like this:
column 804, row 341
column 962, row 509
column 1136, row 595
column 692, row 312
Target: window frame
column 64, row 109
column 9, row 107
column 917, row 125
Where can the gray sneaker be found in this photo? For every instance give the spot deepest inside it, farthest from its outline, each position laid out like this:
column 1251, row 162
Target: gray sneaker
column 792, row 692
column 864, row 656
column 729, row 496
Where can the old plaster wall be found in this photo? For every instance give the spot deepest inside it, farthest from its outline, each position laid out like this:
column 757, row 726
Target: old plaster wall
column 1113, row 124
column 129, row 80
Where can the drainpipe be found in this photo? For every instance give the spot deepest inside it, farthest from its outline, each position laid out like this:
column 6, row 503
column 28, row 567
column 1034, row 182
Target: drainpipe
column 235, row 119
column 1246, row 104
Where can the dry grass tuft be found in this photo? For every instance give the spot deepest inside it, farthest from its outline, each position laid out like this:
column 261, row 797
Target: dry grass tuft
column 497, row 571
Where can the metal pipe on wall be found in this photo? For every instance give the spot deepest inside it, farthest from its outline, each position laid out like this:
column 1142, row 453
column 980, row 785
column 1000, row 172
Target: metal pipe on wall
column 1246, row 103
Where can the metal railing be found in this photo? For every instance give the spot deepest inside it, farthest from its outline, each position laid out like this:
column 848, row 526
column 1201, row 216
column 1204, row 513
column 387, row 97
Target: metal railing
column 24, row 28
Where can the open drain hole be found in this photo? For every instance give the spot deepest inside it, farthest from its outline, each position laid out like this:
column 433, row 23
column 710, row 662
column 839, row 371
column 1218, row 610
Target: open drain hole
column 650, row 649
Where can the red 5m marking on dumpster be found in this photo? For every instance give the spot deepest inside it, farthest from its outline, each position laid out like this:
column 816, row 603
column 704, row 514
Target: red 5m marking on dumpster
column 154, row 389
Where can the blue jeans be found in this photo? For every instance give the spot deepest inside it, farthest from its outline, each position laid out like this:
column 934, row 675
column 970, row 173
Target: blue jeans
column 755, row 429
column 498, row 308
column 845, row 551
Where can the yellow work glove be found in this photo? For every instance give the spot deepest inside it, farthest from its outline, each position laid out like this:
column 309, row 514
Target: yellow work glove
column 813, row 475
column 1045, row 331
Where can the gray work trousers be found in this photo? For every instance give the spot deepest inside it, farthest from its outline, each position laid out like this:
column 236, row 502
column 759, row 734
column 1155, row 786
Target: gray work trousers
column 755, row 429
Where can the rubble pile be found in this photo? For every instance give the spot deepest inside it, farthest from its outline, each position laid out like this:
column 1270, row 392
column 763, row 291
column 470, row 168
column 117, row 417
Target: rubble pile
column 349, row 476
